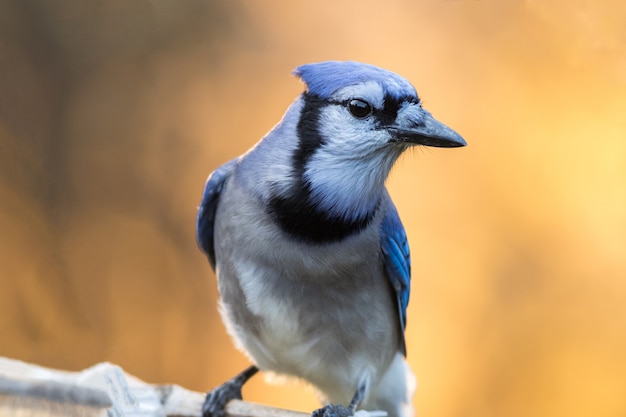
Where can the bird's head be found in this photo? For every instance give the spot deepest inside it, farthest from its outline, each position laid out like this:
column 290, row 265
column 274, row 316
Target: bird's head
column 364, row 107
column 355, row 121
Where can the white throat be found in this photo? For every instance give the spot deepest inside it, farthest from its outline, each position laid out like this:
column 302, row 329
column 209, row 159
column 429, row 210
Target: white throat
column 348, row 187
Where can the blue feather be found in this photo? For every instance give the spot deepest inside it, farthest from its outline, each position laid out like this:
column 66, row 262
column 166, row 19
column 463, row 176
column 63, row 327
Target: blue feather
column 208, row 208
column 325, row 78
column 397, row 260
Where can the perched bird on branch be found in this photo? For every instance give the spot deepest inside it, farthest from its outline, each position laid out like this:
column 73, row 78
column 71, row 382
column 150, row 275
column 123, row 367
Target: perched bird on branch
column 311, row 257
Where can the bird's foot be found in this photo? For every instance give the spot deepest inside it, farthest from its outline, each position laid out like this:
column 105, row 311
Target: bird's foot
column 216, row 399
column 332, row 410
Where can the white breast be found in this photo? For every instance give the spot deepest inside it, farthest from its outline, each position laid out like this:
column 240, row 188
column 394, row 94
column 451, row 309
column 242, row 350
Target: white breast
column 298, row 309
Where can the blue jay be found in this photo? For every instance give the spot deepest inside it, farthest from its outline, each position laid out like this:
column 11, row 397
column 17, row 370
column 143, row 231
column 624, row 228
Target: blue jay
column 311, row 257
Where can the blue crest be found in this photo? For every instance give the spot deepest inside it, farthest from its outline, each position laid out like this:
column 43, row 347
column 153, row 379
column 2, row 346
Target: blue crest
column 324, row 78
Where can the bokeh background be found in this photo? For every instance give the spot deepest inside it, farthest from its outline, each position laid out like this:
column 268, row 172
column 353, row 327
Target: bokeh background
column 112, row 114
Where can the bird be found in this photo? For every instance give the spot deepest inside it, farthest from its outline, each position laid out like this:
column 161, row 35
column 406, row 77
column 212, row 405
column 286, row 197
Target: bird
column 311, row 257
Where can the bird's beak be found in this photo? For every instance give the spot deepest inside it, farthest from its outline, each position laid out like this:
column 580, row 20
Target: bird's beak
column 430, row 132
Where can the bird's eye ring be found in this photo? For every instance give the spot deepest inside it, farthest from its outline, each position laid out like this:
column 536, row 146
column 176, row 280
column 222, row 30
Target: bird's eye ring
column 359, row 108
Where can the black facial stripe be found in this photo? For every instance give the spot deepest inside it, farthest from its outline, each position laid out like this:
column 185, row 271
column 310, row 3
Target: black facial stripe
column 309, row 137
column 387, row 115
column 297, row 214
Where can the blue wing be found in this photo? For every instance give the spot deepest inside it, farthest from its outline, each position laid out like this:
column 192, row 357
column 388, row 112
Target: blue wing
column 208, row 208
column 397, row 261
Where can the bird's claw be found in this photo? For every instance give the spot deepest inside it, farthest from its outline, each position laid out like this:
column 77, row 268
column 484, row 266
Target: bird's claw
column 332, row 410
column 216, row 399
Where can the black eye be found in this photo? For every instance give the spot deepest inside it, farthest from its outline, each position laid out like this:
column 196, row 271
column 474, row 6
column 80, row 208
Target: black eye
column 359, row 108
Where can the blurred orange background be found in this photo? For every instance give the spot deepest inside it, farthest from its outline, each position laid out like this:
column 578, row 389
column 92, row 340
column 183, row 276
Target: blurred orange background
column 113, row 113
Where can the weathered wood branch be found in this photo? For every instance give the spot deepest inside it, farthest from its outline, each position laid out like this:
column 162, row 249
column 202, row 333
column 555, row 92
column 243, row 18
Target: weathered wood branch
column 104, row 390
